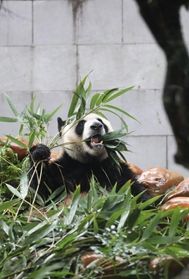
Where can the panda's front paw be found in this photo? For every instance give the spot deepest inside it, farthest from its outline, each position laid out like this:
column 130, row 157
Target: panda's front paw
column 40, row 152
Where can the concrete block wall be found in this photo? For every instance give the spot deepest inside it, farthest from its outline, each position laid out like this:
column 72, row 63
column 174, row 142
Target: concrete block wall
column 47, row 46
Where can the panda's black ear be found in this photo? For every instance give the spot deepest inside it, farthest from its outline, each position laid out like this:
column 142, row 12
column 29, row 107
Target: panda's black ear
column 61, row 123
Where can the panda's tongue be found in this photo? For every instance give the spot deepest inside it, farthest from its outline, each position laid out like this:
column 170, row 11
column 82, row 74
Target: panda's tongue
column 95, row 139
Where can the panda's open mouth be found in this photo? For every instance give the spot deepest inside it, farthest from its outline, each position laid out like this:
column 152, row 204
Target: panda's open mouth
column 95, row 142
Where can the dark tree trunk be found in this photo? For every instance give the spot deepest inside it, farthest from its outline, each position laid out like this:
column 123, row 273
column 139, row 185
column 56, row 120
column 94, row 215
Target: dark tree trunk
column 162, row 17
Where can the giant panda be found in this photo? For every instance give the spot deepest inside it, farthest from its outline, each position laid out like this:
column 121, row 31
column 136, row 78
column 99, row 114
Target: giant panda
column 83, row 155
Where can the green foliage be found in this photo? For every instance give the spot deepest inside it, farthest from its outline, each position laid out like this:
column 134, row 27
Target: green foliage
column 33, row 122
column 98, row 103
column 111, row 225
column 10, row 170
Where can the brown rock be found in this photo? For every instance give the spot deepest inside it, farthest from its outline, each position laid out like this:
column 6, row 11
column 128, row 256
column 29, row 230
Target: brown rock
column 173, row 266
column 158, row 180
column 109, row 267
column 173, row 203
column 182, row 190
column 89, row 258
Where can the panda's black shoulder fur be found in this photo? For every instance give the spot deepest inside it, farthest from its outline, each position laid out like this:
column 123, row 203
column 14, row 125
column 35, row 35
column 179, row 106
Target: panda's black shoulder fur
column 78, row 162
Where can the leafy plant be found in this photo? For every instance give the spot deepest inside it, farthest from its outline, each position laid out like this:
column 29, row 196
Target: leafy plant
column 10, row 170
column 33, row 122
column 112, row 227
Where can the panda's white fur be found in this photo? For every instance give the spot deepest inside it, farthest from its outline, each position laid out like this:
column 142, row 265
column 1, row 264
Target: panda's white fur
column 76, row 144
column 83, row 155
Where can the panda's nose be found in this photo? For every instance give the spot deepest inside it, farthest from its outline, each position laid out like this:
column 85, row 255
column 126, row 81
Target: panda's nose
column 96, row 126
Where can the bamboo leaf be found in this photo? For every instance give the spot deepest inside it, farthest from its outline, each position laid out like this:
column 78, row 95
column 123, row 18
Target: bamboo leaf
column 65, row 241
column 8, row 204
column 133, row 218
column 40, row 233
column 8, row 119
column 122, row 156
column 48, row 117
column 19, row 143
column 35, row 115
column 32, row 104
column 114, row 135
column 48, row 271
column 123, row 219
column 114, row 217
column 100, row 98
column 73, row 105
column 175, row 218
column 112, row 201
column 164, row 240
column 85, row 223
column 31, row 139
column 76, row 97
column 11, row 105
column 21, row 130
column 39, row 226
column 74, row 205
column 95, row 225
column 24, row 184
column 94, row 100
column 151, row 226
column 43, row 114
column 121, row 110
column 37, row 111
column 81, row 109
column 14, row 191
column 22, row 114
column 108, row 93
column 88, row 91
column 149, row 202
column 98, row 205
column 4, row 227
column 121, row 92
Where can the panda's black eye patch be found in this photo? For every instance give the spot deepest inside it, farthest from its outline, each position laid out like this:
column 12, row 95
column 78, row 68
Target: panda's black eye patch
column 100, row 120
column 81, row 122
column 79, row 128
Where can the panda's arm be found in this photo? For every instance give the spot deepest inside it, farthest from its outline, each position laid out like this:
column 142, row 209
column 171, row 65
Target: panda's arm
column 41, row 173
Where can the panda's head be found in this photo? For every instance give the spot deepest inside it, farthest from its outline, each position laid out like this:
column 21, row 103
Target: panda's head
column 82, row 139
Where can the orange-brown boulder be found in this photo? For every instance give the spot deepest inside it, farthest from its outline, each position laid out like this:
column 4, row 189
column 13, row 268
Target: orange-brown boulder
column 173, row 203
column 158, row 180
column 174, row 267
column 182, row 190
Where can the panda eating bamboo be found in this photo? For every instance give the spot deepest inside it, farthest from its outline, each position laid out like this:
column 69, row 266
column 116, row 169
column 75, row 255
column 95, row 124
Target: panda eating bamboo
column 83, row 155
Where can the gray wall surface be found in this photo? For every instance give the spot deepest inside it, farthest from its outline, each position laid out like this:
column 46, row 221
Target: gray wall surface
column 47, row 46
